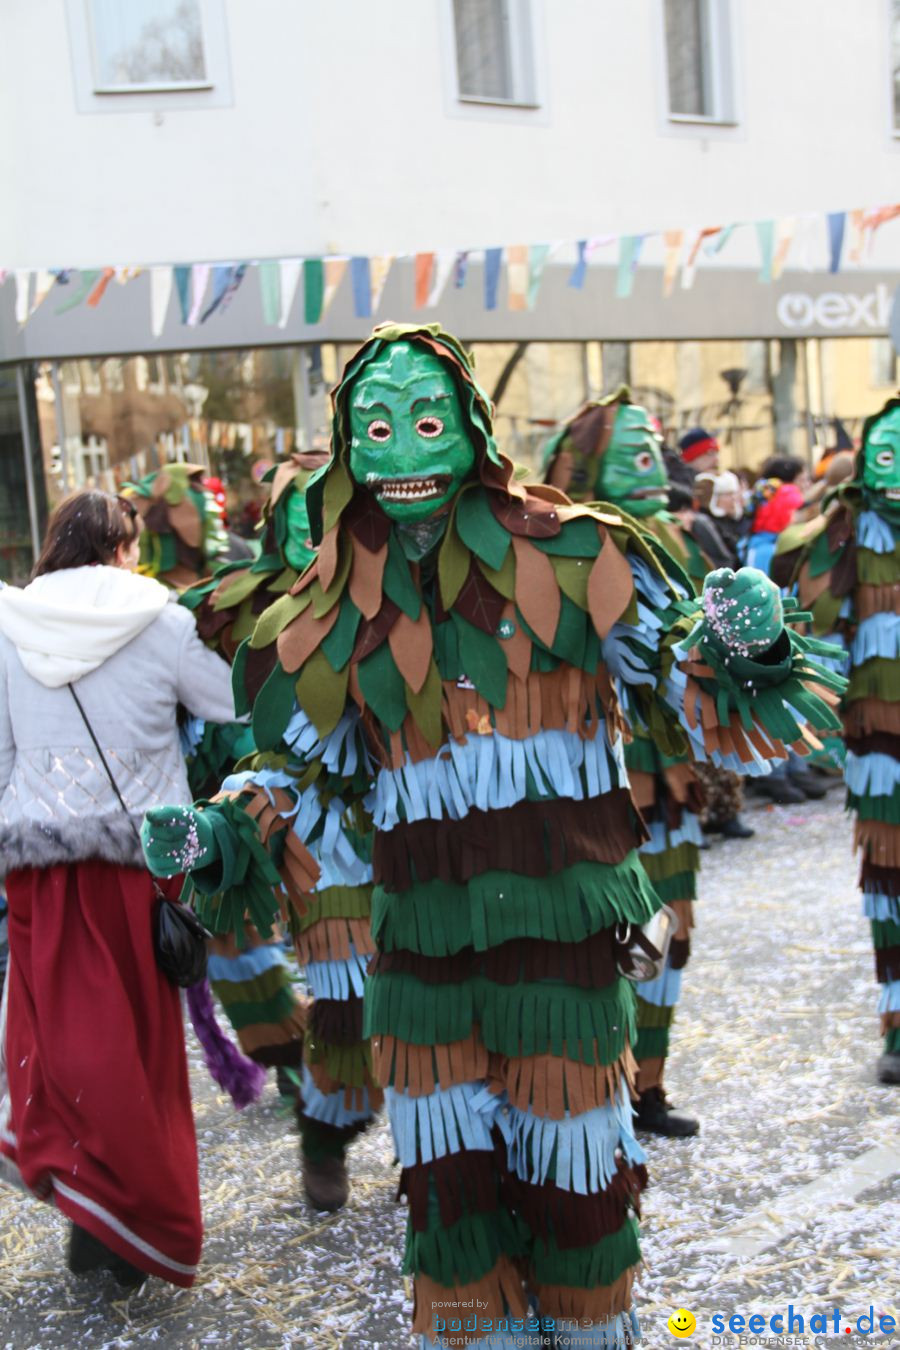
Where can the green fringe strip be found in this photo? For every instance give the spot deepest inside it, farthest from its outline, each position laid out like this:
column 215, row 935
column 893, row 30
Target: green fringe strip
column 439, row 918
column 885, row 933
column 347, row 1064
column 877, row 569
column 516, row 1020
column 642, row 756
column 652, row 1043
column 269, row 998
column 682, row 886
column 587, row 1267
column 683, row 858
column 650, row 1016
column 338, row 902
column 242, row 884
column 466, row 1250
column 886, row 809
column 892, row 1041
column 878, row 678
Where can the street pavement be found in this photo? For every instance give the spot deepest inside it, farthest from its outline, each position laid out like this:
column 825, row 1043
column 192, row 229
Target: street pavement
column 789, row 1195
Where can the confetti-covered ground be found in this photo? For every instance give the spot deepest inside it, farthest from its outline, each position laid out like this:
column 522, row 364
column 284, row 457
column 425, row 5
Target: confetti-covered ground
column 774, row 1048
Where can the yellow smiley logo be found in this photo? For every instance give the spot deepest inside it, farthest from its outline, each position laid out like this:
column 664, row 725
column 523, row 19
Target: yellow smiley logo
column 682, row 1323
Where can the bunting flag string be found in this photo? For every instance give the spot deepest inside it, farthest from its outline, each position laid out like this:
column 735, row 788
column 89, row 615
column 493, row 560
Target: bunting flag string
column 831, row 240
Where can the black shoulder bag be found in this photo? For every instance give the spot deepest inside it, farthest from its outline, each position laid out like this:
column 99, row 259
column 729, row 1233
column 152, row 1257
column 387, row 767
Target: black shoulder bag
column 179, row 938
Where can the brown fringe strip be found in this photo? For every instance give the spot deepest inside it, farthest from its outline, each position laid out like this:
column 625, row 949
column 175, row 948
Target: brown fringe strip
column 684, row 910
column 226, row 944
column 464, row 1183
column 498, row 1294
column 586, row 1305
column 866, row 715
column 354, row 1098
column 879, row 742
column 889, row 1020
column 418, row 1069
column 871, row 600
column 273, row 1044
column 879, row 842
column 548, row 1085
column 299, row 869
column 887, row 964
column 575, row 1220
column 650, row 1073
column 885, row 879
column 330, row 939
column 735, row 739
column 590, row 964
column 337, row 1021
column 531, row 838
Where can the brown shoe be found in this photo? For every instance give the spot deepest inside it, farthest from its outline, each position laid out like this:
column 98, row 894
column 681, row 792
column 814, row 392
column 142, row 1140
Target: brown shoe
column 326, row 1182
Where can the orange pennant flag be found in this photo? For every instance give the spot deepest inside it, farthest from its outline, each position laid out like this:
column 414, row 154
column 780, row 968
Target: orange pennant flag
column 517, row 276
column 424, row 268
column 96, row 294
column 673, row 240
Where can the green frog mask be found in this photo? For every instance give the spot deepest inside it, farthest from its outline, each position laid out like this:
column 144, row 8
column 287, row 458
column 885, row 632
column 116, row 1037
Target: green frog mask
column 881, row 463
column 410, row 442
column 632, row 473
column 298, row 547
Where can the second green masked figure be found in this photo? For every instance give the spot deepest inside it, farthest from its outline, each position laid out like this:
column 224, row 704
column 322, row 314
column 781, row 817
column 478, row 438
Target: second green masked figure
column 452, row 658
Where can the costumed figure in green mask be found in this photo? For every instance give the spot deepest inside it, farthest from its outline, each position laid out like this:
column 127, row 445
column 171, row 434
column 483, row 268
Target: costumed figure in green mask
column 610, row 451
column 450, row 660
column 249, row 973
column 183, row 535
column 845, row 567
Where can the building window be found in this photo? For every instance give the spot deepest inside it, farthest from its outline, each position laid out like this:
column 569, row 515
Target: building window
column 144, row 45
column 883, row 363
column 895, row 66
column 698, row 60
column 494, row 51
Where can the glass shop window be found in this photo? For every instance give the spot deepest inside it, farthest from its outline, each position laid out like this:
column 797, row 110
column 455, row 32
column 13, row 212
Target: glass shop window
column 698, row 60
column 139, row 46
column 494, row 51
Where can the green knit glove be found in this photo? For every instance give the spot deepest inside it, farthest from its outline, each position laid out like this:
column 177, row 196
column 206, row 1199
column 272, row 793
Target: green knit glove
column 177, row 839
column 742, row 613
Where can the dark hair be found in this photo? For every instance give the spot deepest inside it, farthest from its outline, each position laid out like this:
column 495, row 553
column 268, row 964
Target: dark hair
column 785, row 467
column 87, row 528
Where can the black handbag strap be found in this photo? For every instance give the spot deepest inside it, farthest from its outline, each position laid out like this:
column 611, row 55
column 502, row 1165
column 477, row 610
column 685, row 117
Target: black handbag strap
column 109, row 773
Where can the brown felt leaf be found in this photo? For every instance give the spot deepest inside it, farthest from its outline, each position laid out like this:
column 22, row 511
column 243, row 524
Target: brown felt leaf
column 328, row 558
column 302, row 637
column 610, row 586
column 186, row 521
column 479, row 602
column 537, row 592
column 517, row 647
column 366, row 572
column 411, row 645
column 533, row 518
column 372, row 632
column 367, row 522
column 161, row 484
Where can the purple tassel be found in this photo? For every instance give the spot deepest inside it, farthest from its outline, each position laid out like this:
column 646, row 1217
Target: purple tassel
column 240, row 1077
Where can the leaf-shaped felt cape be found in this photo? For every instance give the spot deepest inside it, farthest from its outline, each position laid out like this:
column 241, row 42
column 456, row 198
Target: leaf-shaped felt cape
column 302, row 637
column 324, row 599
column 185, row 520
column 610, row 586
column 382, row 687
column 479, row 602
column 366, row 573
column 425, row 706
column 276, row 617
column 398, row 582
column 322, row 692
column 338, row 645
column 453, row 565
column 483, row 660
column 412, row 646
column 328, row 557
column 504, row 579
column 479, row 529
column 572, row 576
column 272, row 709
column 517, row 647
column 577, row 539
column 537, row 592
column 337, row 493
column 237, row 589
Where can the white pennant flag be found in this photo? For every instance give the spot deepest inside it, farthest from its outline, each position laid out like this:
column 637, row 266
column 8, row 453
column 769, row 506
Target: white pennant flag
column 160, row 295
column 443, row 266
column 23, row 284
column 44, row 282
column 379, row 267
column 289, row 275
column 199, row 281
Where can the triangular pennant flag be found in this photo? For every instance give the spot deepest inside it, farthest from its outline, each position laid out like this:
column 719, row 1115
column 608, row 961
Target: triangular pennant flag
column 221, row 278
column 717, row 242
column 96, row 294
column 689, row 266
column 629, row 252
column 857, row 226
column 461, row 269
column 379, row 266
column 517, row 276
column 537, row 261
column 423, row 269
column 334, row 275
column 808, row 238
column 237, row 276
column 785, row 232
column 199, row 281
column 765, row 233
column 836, row 222
column 493, row 261
column 875, row 219
column 579, row 271
column 269, row 290
column 23, row 287
column 44, row 281
column 183, row 288
column 87, row 280
column 160, row 294
column 440, row 276
column 361, row 281
column 126, row 274
column 673, row 240
column 289, row 273
column 313, row 289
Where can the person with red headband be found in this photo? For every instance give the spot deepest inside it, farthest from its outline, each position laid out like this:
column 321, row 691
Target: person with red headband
column 699, row 450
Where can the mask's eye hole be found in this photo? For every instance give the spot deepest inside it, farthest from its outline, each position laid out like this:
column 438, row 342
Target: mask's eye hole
column 429, row 427
column 379, row 431
column 644, row 461
column 885, row 458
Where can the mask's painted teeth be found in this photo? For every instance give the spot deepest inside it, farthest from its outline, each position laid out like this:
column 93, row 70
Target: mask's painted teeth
column 411, row 489
column 893, row 494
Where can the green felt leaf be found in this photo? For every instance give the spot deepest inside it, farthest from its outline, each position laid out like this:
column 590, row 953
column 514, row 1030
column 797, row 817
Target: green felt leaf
column 322, row 692
column 238, row 674
column 504, row 579
column 572, row 576
column 483, row 660
column 820, row 557
column 383, row 687
column 244, row 584
column 337, row 493
column 168, row 554
column 825, row 611
column 323, row 601
column 244, row 624
column 284, row 582
column 426, row 707
column 338, row 645
column 571, row 634
column 479, row 529
column 453, row 565
column 578, row 538
column 272, row 709
column 276, row 617
column 397, row 581
column 446, row 650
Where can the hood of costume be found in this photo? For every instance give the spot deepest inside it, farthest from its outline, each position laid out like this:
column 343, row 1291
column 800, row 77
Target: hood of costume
column 183, row 532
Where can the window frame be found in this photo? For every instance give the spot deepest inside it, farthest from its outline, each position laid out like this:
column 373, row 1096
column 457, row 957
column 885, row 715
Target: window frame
column 720, row 22
column 892, row 14
column 523, row 65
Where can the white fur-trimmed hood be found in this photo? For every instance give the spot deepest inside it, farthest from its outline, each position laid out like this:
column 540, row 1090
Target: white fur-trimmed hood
column 66, row 624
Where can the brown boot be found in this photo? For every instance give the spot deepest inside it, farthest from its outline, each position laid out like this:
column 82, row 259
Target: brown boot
column 326, row 1182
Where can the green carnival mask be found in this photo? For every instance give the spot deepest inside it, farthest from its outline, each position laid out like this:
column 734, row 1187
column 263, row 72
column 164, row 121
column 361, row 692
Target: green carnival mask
column 881, row 463
column 632, row 473
column 298, row 548
column 410, row 442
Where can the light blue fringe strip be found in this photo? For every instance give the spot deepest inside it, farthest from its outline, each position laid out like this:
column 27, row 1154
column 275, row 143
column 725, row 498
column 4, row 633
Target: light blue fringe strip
column 448, row 1120
column 247, row 966
column 581, row 1150
column 492, row 772
column 329, row 1107
column 675, row 691
column 885, row 908
column 338, row 979
column 664, row 991
column 879, row 635
column 889, row 1001
column 662, row 838
column 875, row 774
column 875, row 533
column 342, row 751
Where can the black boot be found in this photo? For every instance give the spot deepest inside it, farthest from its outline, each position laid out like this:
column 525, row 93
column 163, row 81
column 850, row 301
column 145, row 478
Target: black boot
column 888, row 1067
column 735, row 828
column 781, row 789
column 87, row 1253
column 656, row 1116
column 808, row 784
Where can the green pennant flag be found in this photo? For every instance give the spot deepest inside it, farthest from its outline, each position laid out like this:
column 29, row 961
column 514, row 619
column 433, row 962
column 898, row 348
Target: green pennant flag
column 270, row 291
column 313, row 289
column 81, row 290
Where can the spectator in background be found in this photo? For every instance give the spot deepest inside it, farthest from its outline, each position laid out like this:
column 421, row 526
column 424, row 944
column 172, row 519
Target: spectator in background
column 699, row 451
column 699, row 526
column 777, row 495
column 721, row 498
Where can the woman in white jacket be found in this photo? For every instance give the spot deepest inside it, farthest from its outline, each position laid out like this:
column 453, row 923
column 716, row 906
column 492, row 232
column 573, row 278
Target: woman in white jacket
column 97, row 1114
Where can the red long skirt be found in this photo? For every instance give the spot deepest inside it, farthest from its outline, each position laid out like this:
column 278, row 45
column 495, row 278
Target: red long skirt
column 100, row 1109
